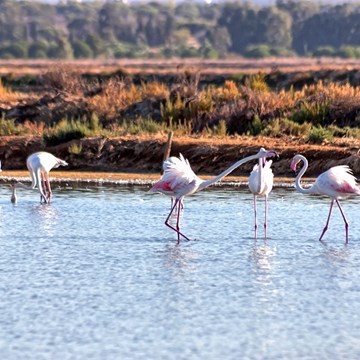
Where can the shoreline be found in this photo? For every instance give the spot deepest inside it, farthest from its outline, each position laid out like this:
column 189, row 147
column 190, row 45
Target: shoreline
column 122, row 178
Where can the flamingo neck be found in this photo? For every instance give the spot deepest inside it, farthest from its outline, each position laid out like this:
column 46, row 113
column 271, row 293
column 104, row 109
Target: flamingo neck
column 298, row 185
column 22, row 186
column 260, row 184
column 207, row 183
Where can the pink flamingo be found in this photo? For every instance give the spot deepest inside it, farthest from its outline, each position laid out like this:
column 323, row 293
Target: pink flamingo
column 337, row 182
column 179, row 180
column 39, row 165
column 260, row 184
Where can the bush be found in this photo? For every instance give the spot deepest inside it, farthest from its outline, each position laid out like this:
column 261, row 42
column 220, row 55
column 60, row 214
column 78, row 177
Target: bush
column 16, row 50
column 316, row 113
column 257, row 51
column 8, row 127
column 38, row 50
column 324, row 51
column 67, row 130
column 75, row 149
column 255, row 126
column 319, row 135
column 82, row 50
column 279, row 127
column 349, row 52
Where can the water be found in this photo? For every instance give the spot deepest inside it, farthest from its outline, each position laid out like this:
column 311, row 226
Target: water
column 97, row 275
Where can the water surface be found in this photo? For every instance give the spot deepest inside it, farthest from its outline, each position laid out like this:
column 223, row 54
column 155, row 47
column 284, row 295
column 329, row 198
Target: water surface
column 97, row 275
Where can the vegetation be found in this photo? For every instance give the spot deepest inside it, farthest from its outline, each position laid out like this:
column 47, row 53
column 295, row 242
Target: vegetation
column 116, row 106
column 113, row 29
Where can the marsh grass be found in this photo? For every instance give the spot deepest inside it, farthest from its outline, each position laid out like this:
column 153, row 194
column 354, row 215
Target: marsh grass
column 316, row 112
column 75, row 149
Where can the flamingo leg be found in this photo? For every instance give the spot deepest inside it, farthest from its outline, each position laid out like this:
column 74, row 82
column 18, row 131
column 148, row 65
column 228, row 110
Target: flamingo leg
column 48, row 190
column 43, row 186
column 266, row 216
column 255, row 226
column 177, row 229
column 345, row 221
column 328, row 220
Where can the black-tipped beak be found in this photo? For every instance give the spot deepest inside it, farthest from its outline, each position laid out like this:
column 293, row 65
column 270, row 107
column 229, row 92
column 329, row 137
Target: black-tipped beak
column 275, row 156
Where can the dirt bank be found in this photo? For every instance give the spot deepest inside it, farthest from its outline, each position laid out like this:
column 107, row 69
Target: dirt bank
column 207, row 155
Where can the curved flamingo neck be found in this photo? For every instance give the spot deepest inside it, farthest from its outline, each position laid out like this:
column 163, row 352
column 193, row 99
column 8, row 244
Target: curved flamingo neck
column 298, row 185
column 22, row 186
column 207, row 183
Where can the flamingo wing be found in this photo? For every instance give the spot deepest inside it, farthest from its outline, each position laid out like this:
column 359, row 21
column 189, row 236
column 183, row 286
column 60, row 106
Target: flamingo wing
column 177, row 175
column 338, row 181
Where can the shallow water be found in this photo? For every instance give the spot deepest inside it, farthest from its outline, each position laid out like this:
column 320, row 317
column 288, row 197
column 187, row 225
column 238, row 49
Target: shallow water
column 97, row 275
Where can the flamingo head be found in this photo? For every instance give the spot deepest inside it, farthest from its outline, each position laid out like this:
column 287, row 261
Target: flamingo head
column 263, row 154
column 296, row 159
column 13, row 195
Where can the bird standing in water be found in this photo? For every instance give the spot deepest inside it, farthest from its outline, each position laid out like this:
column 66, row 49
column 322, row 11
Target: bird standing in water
column 39, row 165
column 179, row 180
column 337, row 182
column 260, row 184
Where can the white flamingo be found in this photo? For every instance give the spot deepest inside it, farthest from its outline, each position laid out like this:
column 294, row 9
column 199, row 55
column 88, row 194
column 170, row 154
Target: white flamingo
column 260, row 184
column 337, row 182
column 39, row 165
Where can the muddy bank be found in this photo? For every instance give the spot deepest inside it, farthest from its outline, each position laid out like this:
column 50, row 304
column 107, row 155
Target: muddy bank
column 208, row 156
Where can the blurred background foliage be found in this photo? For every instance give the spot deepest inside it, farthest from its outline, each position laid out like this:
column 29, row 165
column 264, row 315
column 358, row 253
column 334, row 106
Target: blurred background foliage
column 113, row 29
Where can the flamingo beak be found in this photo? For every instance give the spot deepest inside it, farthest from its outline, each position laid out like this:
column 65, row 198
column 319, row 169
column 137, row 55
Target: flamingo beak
column 272, row 154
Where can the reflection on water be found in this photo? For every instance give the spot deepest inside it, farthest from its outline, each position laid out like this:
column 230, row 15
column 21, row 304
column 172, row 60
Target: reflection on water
column 97, row 275
column 46, row 218
column 262, row 256
column 179, row 258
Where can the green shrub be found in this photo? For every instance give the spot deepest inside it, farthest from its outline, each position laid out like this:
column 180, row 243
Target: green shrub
column 315, row 112
column 82, row 50
column 75, row 149
column 349, row 52
column 255, row 126
column 67, row 130
column 257, row 51
column 324, row 51
column 318, row 135
column 345, row 131
column 8, row 127
column 278, row 127
column 219, row 130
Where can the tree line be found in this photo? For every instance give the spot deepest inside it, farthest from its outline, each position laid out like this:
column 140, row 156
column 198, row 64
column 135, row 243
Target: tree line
column 113, row 29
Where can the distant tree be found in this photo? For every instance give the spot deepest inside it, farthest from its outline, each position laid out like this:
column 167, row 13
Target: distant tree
column 274, row 27
column 334, row 26
column 299, row 11
column 324, row 51
column 61, row 50
column 38, row 50
column 82, row 50
column 348, row 52
column 220, row 39
column 257, row 51
column 14, row 50
column 241, row 23
column 96, row 44
column 187, row 10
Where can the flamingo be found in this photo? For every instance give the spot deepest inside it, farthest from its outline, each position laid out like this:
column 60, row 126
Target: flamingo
column 39, row 165
column 260, row 184
column 179, row 180
column 337, row 182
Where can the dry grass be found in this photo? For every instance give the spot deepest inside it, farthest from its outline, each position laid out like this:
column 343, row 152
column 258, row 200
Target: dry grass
column 186, row 108
column 162, row 66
